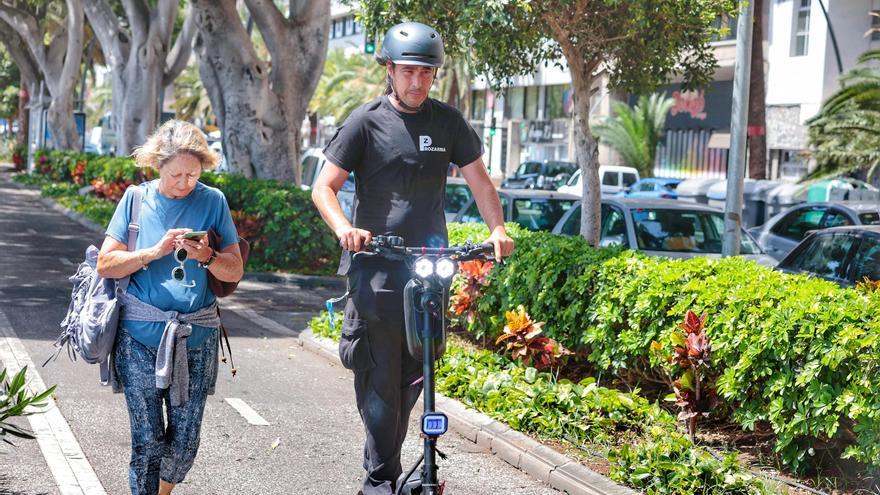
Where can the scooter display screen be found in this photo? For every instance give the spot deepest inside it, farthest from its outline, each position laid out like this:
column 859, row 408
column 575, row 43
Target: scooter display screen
column 434, row 424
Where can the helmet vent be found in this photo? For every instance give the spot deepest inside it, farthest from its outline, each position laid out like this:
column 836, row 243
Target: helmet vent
column 414, row 54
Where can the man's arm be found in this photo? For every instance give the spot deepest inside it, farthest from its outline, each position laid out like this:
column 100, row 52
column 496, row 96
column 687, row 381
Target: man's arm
column 329, row 182
column 489, row 205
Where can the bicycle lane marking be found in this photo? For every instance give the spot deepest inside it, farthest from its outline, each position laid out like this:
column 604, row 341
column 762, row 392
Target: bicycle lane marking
column 71, row 469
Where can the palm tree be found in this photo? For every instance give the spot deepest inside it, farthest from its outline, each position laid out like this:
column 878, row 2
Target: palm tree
column 845, row 134
column 634, row 132
column 348, row 82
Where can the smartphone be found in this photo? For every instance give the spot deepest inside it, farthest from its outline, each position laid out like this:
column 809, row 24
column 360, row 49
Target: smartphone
column 195, row 235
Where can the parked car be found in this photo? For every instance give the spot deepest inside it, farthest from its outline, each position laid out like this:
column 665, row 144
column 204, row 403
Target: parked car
column 612, row 180
column 458, row 195
column 662, row 227
column 784, row 231
column 843, row 255
column 653, row 188
column 540, row 175
column 312, row 162
column 533, row 209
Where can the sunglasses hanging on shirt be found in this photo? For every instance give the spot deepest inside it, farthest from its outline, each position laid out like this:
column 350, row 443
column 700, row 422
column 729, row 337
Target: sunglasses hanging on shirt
column 178, row 273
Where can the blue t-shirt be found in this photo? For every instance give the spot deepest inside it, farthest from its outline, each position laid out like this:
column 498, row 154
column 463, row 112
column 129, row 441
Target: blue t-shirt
column 204, row 208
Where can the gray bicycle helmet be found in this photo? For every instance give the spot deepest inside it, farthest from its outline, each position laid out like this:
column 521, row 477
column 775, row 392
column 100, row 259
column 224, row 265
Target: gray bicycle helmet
column 411, row 43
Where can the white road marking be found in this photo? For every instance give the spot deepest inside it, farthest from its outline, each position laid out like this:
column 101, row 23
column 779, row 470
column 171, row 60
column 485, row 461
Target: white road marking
column 71, row 469
column 31, row 231
column 65, row 261
column 245, row 410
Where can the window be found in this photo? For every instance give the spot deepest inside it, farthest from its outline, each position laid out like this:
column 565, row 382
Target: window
column 629, row 179
column 557, row 101
column 347, row 27
column 610, row 179
column 867, row 262
column 800, row 32
column 645, row 187
column 871, row 218
column 528, row 168
column 358, row 27
column 796, row 224
column 683, row 231
column 514, row 102
column 825, row 256
column 613, row 229
column 478, row 105
column 531, row 103
column 835, row 218
column 337, row 28
column 457, row 195
column 875, row 25
column 472, row 214
column 539, row 214
column 309, row 170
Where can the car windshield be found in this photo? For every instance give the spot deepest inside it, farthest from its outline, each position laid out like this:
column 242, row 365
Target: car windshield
column 457, row 195
column 871, row 218
column 683, row 231
column 529, row 168
column 539, row 214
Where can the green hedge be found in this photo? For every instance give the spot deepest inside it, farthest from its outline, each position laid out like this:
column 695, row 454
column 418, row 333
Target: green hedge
column 642, row 443
column 287, row 231
column 801, row 355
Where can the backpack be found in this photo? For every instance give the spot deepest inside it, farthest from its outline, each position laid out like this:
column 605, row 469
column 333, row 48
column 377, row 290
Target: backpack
column 89, row 329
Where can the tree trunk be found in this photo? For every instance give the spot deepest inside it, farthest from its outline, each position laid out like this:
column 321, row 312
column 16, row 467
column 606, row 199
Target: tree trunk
column 757, row 100
column 23, row 114
column 586, row 145
column 139, row 112
column 261, row 111
column 140, row 66
column 256, row 134
column 58, row 64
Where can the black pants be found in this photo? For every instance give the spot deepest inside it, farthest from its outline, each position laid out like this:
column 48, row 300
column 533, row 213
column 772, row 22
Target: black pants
column 373, row 345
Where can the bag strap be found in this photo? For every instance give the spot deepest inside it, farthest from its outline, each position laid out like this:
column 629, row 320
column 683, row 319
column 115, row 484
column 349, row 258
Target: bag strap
column 137, row 198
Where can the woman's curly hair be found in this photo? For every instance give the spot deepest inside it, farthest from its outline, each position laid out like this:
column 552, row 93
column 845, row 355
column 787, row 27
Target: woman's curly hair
column 171, row 139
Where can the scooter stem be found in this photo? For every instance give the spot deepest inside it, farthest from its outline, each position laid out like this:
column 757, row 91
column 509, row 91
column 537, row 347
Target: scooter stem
column 429, row 475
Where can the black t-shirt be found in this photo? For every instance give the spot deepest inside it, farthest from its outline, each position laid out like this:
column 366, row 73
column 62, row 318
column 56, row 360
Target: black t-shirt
column 399, row 162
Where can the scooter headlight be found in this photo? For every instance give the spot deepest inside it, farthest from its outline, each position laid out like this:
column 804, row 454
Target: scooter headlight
column 445, row 268
column 424, row 267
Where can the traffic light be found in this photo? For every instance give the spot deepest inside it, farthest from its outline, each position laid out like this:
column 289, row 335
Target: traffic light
column 492, row 127
column 370, row 45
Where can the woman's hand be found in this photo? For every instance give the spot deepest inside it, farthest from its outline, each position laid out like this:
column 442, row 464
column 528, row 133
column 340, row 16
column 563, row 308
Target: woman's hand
column 166, row 244
column 195, row 250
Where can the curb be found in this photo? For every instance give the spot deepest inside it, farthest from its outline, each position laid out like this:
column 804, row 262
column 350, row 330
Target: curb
column 511, row 446
column 287, row 279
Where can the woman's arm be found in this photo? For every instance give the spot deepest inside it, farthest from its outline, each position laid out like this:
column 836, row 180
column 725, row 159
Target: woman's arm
column 227, row 265
column 115, row 261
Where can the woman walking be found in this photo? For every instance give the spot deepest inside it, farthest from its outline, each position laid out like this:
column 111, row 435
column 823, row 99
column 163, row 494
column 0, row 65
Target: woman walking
column 166, row 345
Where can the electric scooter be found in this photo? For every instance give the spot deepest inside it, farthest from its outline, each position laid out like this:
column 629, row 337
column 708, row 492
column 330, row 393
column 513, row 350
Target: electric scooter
column 425, row 302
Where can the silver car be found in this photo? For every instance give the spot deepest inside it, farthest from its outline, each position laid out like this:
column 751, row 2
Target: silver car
column 662, row 227
column 784, row 231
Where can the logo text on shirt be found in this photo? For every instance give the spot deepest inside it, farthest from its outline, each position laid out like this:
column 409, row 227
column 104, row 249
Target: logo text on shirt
column 425, row 144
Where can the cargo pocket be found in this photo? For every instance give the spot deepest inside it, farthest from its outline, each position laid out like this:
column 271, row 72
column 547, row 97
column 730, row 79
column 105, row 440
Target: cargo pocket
column 354, row 345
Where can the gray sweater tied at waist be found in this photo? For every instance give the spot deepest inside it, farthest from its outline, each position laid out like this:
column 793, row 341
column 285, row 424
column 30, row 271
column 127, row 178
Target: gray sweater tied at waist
column 172, row 364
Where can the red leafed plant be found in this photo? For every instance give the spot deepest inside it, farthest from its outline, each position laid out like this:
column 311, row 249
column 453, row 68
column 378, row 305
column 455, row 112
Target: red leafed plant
column 475, row 276
column 868, row 286
column 693, row 352
column 525, row 343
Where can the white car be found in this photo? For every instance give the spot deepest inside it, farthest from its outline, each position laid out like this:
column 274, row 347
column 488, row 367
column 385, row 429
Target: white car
column 612, row 180
column 312, row 162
